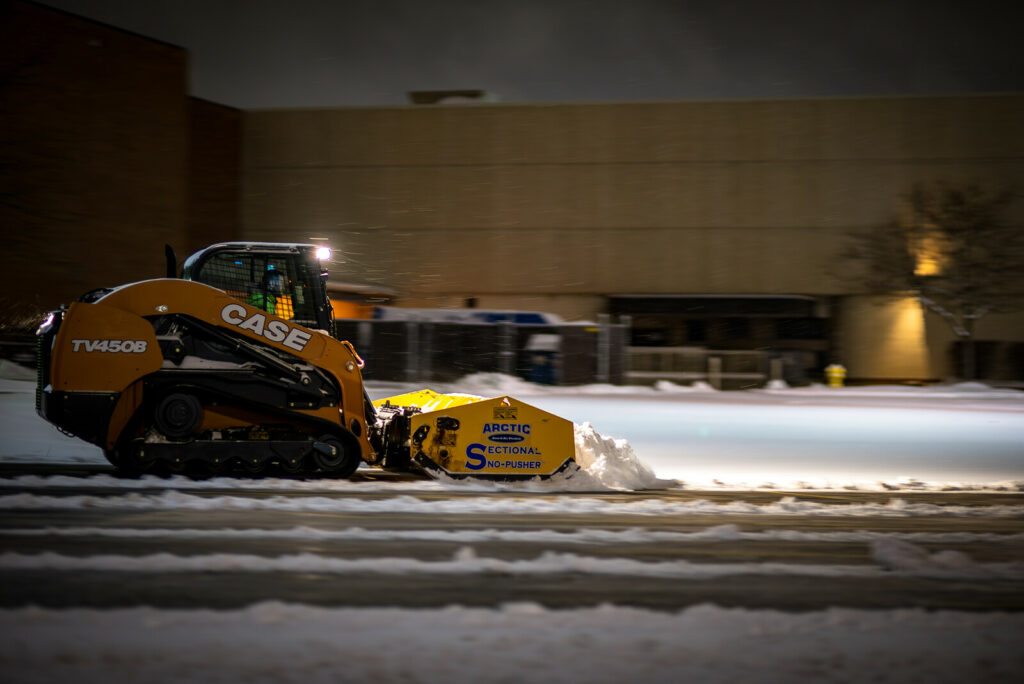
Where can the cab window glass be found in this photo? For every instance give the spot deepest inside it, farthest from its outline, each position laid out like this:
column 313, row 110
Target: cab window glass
column 273, row 283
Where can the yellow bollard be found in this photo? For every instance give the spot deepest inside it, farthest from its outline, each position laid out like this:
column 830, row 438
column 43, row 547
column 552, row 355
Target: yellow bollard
column 835, row 374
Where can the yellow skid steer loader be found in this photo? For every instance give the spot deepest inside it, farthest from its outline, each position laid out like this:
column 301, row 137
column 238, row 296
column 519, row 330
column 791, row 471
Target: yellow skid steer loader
column 232, row 368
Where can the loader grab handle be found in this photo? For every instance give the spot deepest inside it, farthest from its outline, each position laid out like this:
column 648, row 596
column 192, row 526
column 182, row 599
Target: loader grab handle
column 359, row 360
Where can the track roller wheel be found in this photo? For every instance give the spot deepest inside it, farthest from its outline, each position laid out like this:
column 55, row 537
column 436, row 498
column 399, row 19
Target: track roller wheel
column 254, row 467
column 292, row 466
column 331, row 456
column 122, row 456
column 178, row 415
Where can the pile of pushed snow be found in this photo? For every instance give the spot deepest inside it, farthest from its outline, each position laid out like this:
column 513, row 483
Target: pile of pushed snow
column 609, row 463
column 602, row 463
column 675, row 388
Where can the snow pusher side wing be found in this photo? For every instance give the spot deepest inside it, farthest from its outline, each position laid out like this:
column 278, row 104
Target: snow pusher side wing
column 466, row 436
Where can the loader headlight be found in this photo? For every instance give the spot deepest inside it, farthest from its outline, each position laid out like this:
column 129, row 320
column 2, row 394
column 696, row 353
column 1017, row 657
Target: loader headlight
column 323, row 253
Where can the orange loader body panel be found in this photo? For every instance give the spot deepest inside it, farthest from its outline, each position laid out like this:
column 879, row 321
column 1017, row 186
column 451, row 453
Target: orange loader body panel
column 122, row 349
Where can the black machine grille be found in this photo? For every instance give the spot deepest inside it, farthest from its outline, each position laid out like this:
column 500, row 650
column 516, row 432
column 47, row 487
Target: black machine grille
column 44, row 345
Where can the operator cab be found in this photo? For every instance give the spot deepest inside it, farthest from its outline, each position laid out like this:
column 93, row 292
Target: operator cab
column 285, row 279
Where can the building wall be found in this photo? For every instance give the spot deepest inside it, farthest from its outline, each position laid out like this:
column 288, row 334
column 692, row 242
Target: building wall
column 556, row 206
column 672, row 197
column 887, row 338
column 94, row 140
column 215, row 151
column 550, row 207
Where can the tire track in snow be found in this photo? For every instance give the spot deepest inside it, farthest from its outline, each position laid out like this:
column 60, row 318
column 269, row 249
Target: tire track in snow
column 465, row 561
column 582, row 536
column 373, row 485
column 549, row 505
column 287, row 642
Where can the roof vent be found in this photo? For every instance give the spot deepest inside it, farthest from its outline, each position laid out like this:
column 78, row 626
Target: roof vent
column 433, row 97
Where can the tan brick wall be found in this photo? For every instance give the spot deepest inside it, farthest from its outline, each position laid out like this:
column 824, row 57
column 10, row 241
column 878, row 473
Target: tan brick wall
column 673, row 197
column 214, row 174
column 563, row 204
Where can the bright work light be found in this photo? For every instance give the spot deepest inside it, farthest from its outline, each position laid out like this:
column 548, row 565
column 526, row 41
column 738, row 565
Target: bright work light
column 323, row 253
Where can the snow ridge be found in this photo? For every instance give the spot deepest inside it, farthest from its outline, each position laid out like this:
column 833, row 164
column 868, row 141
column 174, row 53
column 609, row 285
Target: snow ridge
column 553, row 505
column 634, row 535
column 904, row 560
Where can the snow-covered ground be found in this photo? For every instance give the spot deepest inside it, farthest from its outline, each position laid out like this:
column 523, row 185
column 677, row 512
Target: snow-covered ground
column 958, row 436
column 274, row 642
column 964, row 436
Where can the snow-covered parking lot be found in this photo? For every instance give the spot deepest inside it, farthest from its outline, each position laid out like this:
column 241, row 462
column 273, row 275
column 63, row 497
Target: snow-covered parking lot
column 957, row 438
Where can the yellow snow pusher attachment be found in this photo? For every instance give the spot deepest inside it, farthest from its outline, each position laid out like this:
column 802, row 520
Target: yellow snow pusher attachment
column 466, row 436
column 232, row 368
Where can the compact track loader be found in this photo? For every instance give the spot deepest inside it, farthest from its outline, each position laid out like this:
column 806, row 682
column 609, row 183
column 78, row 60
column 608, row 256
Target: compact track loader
column 233, row 368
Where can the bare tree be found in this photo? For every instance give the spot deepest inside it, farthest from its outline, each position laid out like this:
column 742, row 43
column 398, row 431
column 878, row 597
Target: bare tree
column 954, row 251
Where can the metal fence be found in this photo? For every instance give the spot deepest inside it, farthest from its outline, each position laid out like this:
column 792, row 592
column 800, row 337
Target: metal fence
column 418, row 351
column 720, row 368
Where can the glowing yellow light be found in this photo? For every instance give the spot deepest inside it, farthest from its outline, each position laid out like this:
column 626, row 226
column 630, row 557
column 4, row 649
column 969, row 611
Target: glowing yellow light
column 927, row 251
column 926, row 265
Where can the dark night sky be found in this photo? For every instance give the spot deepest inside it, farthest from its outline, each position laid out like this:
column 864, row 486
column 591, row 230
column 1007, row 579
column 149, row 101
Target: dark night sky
column 296, row 53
